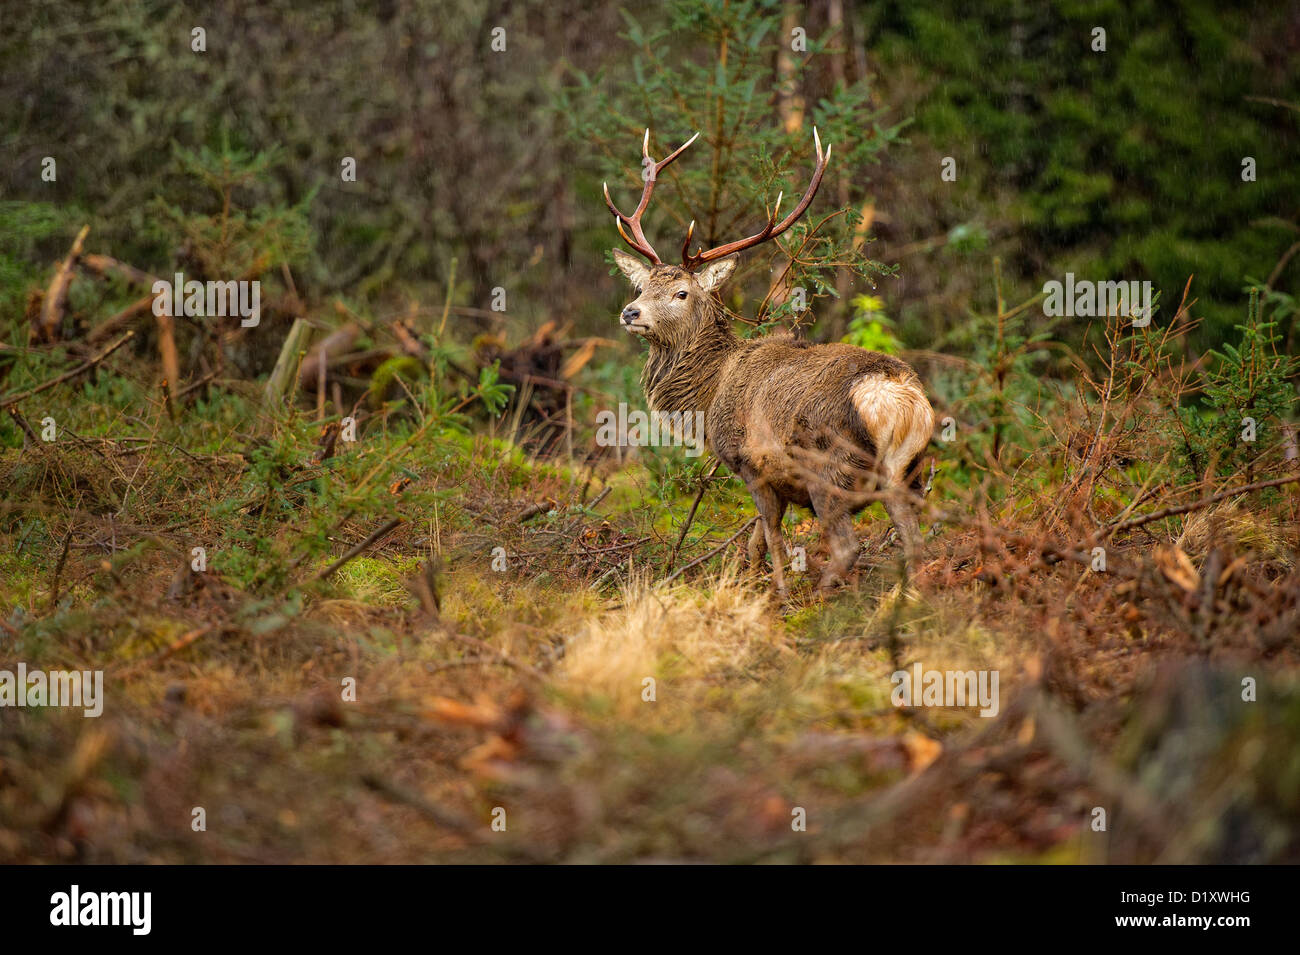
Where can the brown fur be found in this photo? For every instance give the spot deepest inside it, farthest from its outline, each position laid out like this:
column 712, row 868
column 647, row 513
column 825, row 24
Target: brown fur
column 820, row 426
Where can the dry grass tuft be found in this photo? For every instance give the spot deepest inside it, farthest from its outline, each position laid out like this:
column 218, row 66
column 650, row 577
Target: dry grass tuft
column 686, row 638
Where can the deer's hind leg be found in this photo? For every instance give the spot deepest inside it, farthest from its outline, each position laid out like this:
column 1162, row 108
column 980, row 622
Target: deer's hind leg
column 837, row 530
column 903, row 514
column 902, row 508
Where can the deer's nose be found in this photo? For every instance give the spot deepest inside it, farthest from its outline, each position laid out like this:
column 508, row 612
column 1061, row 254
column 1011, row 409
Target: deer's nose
column 631, row 314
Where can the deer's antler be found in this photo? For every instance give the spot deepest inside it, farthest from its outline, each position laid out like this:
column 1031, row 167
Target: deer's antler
column 637, row 240
column 769, row 231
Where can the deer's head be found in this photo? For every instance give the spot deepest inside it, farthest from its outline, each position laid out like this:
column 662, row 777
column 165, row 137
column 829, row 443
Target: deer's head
column 672, row 301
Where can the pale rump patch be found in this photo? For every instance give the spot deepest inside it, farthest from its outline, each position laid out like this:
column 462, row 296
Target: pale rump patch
column 898, row 417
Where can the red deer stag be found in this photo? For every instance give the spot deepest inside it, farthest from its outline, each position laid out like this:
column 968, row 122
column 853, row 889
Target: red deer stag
column 831, row 427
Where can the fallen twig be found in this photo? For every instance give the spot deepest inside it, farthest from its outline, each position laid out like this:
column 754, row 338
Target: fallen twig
column 532, row 511
column 196, row 385
column 717, row 550
column 58, row 569
column 167, row 354
column 377, row 535
column 25, row 426
column 103, row 264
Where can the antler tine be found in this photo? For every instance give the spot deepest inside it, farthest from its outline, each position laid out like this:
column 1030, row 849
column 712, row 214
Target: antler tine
column 686, row 244
column 639, row 244
column 637, row 240
column 772, row 229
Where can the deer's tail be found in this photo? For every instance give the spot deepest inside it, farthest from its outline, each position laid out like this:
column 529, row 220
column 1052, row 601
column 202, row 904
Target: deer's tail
column 898, row 417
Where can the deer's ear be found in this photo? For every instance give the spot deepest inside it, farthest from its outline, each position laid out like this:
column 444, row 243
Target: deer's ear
column 714, row 274
column 635, row 270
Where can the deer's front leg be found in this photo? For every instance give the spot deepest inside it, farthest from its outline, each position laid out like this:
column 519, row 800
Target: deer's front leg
column 757, row 547
column 770, row 511
column 758, row 540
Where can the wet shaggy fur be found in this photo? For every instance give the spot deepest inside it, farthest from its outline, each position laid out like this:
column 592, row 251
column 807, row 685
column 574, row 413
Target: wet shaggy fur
column 820, row 426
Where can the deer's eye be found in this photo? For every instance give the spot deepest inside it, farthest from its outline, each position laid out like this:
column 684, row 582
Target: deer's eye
column 682, row 294
column 637, row 291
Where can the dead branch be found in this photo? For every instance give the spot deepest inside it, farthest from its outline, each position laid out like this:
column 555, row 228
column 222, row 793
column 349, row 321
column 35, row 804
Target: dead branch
column 533, row 510
column 410, row 344
column 277, row 384
column 690, row 517
column 336, row 343
column 84, row 366
column 171, row 364
column 196, row 385
column 57, row 296
column 1198, row 505
column 24, row 425
column 104, row 264
column 58, row 569
column 109, row 326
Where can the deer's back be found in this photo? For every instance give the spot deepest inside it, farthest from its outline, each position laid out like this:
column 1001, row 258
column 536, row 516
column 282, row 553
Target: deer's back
column 785, row 408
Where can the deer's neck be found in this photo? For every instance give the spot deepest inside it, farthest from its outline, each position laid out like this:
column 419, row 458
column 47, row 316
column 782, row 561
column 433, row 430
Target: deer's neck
column 684, row 375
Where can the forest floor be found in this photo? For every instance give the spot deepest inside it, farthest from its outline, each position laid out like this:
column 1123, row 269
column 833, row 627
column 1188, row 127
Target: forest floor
column 511, row 672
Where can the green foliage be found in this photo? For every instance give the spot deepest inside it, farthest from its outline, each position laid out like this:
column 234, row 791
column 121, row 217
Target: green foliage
column 1281, row 304
column 968, row 237
column 1248, row 380
column 491, row 391
column 1118, row 164
column 870, row 327
column 28, row 228
column 1122, row 163
column 723, row 69
column 221, row 237
column 997, row 398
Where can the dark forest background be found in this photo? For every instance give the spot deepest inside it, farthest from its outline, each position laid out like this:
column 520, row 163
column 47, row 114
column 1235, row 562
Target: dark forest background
column 1122, row 164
